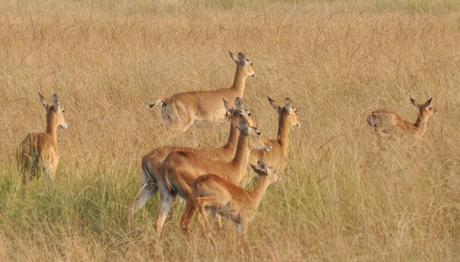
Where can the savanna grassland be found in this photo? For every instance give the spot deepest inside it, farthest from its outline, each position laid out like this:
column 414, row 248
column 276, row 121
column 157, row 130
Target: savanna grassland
column 342, row 197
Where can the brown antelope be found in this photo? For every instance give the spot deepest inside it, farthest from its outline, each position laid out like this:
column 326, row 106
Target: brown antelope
column 151, row 162
column 39, row 152
column 277, row 156
column 180, row 169
column 386, row 122
column 229, row 200
column 181, row 110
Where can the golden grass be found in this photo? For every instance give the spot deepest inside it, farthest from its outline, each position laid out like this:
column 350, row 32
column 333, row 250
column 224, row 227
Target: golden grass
column 340, row 199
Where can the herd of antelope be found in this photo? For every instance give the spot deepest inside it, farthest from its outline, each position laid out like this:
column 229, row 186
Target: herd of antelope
column 207, row 178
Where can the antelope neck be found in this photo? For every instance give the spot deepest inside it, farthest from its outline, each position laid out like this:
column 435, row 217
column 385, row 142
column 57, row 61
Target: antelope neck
column 420, row 124
column 232, row 137
column 283, row 130
column 241, row 158
column 239, row 81
column 51, row 127
column 259, row 190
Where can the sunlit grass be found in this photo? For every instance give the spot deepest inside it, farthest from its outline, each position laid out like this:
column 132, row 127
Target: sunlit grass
column 341, row 196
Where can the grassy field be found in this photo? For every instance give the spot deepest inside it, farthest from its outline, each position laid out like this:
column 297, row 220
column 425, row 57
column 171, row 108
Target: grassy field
column 341, row 198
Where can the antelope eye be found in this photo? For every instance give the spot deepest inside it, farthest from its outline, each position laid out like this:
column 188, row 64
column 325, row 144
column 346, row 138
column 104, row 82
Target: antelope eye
column 250, row 114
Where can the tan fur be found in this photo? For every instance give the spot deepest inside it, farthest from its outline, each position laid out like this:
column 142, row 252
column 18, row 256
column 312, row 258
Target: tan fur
column 229, row 200
column 276, row 157
column 388, row 123
column 39, row 152
column 180, row 169
column 152, row 161
column 182, row 109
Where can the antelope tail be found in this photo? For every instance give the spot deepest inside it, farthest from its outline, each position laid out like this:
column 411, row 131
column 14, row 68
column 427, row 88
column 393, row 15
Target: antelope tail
column 161, row 101
column 166, row 111
column 149, row 178
column 373, row 120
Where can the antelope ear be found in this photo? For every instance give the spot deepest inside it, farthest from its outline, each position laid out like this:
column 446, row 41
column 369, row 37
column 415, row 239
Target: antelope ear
column 261, row 165
column 227, row 107
column 233, row 57
column 274, row 105
column 414, row 102
column 56, row 101
column 428, row 102
column 241, row 57
column 43, row 100
column 287, row 102
column 258, row 170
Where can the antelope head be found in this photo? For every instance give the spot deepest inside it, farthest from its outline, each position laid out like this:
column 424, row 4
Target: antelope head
column 426, row 110
column 263, row 170
column 238, row 114
column 243, row 63
column 286, row 111
column 54, row 110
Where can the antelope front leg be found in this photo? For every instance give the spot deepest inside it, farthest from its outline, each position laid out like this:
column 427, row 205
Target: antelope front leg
column 241, row 227
column 25, row 178
column 201, row 203
column 214, row 202
column 217, row 219
column 204, row 219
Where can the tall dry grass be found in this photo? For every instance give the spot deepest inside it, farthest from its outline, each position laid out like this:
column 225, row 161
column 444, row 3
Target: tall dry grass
column 341, row 198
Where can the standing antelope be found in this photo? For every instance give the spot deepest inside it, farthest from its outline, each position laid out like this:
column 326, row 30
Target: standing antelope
column 39, row 151
column 277, row 156
column 180, row 169
column 151, row 162
column 182, row 109
column 386, row 122
column 230, row 200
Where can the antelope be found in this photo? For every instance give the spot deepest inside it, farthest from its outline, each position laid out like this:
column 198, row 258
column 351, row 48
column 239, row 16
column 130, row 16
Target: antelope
column 152, row 161
column 39, row 152
column 182, row 109
column 386, row 122
column 229, row 200
column 277, row 156
column 180, row 169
